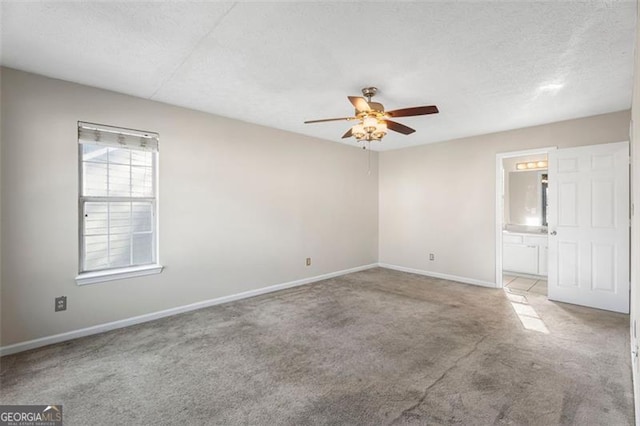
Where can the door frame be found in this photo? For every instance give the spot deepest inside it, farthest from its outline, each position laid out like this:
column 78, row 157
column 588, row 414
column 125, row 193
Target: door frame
column 500, row 199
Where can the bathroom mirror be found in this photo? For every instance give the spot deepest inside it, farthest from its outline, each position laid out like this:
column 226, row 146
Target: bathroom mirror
column 528, row 198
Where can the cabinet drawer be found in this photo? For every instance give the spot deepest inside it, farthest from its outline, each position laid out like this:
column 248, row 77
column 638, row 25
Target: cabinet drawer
column 512, row 239
column 536, row 240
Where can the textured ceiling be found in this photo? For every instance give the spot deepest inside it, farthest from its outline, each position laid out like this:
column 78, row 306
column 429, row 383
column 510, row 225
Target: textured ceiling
column 488, row 66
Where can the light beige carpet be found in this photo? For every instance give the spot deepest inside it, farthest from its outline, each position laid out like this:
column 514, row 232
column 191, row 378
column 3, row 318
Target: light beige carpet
column 374, row 347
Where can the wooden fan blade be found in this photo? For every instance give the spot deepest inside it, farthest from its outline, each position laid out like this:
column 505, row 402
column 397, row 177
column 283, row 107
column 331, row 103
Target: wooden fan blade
column 360, row 103
column 400, row 128
column 408, row 112
column 329, row 119
column 348, row 134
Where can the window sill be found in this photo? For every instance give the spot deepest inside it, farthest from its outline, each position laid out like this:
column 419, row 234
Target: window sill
column 117, row 274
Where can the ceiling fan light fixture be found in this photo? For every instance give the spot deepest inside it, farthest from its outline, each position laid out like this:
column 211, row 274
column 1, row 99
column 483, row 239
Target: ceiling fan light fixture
column 369, row 129
column 380, row 131
column 370, row 124
column 358, row 131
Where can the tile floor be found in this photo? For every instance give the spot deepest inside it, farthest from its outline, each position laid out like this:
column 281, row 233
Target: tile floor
column 524, row 284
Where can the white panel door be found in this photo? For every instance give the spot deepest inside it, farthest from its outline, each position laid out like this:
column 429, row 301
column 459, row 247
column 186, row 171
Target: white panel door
column 589, row 226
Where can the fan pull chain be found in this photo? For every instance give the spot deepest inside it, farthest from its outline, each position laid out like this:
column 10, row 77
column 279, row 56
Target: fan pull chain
column 369, row 149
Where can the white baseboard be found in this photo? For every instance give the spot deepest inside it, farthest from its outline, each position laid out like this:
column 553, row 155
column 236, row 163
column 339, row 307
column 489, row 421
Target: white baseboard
column 101, row 328
column 439, row 275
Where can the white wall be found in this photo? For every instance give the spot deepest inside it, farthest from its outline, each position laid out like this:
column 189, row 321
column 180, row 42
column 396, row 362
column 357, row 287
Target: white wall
column 241, row 207
column 440, row 198
column 1, row 196
column 635, row 224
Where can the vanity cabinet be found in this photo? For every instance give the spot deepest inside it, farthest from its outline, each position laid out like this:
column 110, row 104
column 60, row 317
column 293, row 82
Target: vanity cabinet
column 543, row 256
column 524, row 253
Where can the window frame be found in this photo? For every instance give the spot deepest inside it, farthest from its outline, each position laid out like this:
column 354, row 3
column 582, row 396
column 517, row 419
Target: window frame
column 132, row 270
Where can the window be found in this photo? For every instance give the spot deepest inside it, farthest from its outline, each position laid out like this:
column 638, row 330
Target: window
column 117, row 203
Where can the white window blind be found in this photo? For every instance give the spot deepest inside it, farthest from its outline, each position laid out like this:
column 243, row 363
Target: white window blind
column 118, row 194
column 97, row 134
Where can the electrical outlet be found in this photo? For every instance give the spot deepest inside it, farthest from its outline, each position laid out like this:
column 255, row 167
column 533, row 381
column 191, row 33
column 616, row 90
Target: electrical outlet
column 308, row 261
column 61, row 303
column 432, row 256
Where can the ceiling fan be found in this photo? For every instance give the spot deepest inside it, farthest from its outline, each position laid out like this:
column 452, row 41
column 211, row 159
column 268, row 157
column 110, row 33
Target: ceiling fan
column 373, row 120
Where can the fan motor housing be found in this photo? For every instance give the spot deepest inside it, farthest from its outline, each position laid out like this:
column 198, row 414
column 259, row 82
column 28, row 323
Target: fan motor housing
column 375, row 106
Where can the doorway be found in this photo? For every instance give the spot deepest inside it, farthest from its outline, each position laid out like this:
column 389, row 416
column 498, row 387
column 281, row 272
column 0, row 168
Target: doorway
column 582, row 240
column 521, row 221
